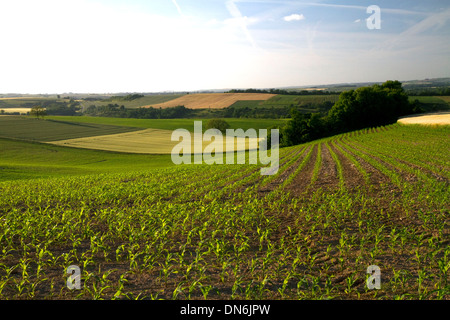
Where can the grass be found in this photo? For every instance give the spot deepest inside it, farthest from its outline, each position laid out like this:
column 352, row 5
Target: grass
column 136, row 103
column 429, row 99
column 247, row 104
column 110, row 134
column 226, row 232
column 22, row 102
column 148, row 141
column 445, row 98
column 287, row 100
column 169, row 124
column 212, row 100
column 28, row 128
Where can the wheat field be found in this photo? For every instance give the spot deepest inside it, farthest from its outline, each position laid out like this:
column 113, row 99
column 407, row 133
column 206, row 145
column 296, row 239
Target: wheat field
column 441, row 118
column 211, row 100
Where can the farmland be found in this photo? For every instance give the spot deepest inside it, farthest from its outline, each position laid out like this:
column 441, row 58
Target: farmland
column 136, row 103
column 212, row 100
column 337, row 205
column 148, row 141
column 167, row 124
column 441, row 118
column 283, row 101
column 20, row 160
column 27, row 128
column 144, row 136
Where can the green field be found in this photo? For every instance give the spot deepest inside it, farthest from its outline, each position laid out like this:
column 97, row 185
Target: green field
column 426, row 99
column 28, row 128
column 27, row 160
column 169, row 124
column 284, row 101
column 147, row 100
column 22, row 102
column 336, row 206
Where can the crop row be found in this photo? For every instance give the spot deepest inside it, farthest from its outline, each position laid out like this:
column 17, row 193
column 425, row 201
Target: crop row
column 201, row 232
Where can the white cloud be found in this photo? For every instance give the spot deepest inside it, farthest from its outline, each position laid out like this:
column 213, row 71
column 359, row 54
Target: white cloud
column 294, row 17
column 357, row 21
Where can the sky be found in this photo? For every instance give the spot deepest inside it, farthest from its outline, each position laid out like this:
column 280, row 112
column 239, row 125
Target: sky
column 109, row 46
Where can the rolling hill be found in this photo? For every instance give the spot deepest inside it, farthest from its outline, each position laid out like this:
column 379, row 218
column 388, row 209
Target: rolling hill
column 212, row 100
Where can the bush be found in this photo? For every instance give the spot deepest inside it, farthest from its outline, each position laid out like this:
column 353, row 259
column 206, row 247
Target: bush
column 218, row 124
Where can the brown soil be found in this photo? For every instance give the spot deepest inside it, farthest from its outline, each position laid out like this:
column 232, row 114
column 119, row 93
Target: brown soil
column 302, row 180
column 286, row 173
column 352, row 177
column 328, row 176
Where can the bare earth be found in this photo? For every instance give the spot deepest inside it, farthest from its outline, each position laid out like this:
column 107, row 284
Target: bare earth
column 441, row 118
column 211, row 100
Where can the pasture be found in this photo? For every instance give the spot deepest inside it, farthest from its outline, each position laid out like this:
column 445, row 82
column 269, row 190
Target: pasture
column 28, row 128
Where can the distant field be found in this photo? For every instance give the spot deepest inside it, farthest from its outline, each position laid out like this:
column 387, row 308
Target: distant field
column 148, row 141
column 247, row 104
column 169, row 124
column 27, row 128
column 6, row 103
column 211, row 100
column 287, row 100
column 442, row 118
column 427, row 99
column 31, row 160
column 14, row 110
column 112, row 134
column 140, row 102
column 445, row 98
column 374, row 197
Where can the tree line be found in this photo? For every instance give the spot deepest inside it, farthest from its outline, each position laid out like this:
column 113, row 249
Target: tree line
column 279, row 112
column 365, row 107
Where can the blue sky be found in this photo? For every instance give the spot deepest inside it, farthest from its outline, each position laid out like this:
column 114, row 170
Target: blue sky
column 57, row 46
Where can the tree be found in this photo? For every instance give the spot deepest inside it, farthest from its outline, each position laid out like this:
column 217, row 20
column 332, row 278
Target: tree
column 364, row 107
column 369, row 107
column 38, row 111
column 218, row 124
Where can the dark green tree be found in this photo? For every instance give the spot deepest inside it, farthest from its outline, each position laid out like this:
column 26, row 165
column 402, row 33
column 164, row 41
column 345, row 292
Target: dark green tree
column 218, row 124
column 38, row 111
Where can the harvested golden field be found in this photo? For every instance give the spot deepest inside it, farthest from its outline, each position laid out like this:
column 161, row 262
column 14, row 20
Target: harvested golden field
column 13, row 110
column 445, row 98
column 211, row 100
column 148, row 141
column 441, row 118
